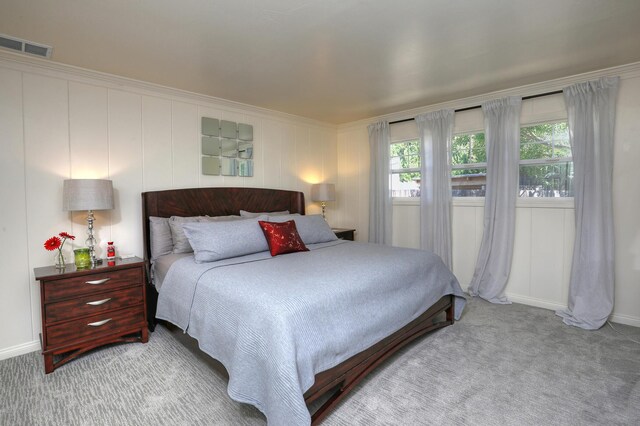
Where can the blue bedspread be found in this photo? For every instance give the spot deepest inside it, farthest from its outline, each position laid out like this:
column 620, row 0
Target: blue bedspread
column 274, row 322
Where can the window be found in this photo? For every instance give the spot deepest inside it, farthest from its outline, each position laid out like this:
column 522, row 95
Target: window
column 468, row 165
column 546, row 166
column 405, row 168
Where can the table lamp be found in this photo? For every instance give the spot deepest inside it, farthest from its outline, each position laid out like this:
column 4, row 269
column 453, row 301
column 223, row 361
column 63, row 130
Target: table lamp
column 323, row 192
column 89, row 195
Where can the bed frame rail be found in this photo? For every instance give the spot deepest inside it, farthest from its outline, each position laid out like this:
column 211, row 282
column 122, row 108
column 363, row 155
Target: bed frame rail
column 345, row 376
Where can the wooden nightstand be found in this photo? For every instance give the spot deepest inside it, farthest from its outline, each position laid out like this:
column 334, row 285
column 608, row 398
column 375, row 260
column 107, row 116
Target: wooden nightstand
column 84, row 309
column 344, row 233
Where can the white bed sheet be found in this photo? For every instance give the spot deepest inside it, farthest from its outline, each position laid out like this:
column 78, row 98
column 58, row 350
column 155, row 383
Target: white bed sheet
column 161, row 265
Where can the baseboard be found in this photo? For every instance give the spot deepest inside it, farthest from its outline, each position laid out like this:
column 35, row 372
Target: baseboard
column 539, row 303
column 625, row 319
column 532, row 301
column 22, row 349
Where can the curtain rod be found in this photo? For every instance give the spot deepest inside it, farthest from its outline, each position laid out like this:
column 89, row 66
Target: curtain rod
column 556, row 92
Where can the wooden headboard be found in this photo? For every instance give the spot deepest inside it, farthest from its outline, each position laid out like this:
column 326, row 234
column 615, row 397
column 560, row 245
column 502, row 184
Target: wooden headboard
column 215, row 202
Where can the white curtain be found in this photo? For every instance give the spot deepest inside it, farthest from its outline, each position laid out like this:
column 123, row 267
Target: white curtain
column 502, row 138
column 591, row 115
column 436, row 131
column 380, row 207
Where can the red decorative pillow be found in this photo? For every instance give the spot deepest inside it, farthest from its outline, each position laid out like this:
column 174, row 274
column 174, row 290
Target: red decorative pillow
column 282, row 237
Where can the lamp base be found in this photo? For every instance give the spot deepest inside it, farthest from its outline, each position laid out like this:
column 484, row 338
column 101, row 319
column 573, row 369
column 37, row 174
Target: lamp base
column 91, row 241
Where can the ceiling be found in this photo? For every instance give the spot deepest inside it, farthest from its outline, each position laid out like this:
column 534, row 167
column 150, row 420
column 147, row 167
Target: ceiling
column 333, row 60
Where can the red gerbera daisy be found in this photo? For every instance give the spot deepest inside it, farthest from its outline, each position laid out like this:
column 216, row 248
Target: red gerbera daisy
column 67, row 235
column 52, row 243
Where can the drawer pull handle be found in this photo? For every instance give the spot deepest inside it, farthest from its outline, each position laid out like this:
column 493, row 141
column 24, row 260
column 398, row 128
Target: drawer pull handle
column 99, row 323
column 98, row 302
column 96, row 282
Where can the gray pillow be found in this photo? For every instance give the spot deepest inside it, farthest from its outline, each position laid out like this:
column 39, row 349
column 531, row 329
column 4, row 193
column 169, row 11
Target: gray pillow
column 180, row 242
column 213, row 241
column 245, row 213
column 160, row 236
column 219, row 218
column 312, row 228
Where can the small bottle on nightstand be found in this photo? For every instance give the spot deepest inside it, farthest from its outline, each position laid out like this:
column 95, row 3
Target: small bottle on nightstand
column 111, row 253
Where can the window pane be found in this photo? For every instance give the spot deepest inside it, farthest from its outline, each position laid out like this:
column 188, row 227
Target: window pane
column 533, row 150
column 547, row 140
column 468, row 182
column 562, row 152
column 404, row 163
column 405, row 184
column 405, row 166
column 406, row 153
column 547, row 180
column 468, row 149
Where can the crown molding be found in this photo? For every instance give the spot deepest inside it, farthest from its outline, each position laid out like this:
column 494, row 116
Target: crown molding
column 24, row 63
column 623, row 71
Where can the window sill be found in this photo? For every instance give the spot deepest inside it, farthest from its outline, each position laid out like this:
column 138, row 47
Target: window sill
column 541, row 203
column 405, row 201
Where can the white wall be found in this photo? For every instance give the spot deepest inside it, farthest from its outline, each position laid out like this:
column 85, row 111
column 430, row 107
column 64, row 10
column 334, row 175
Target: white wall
column 59, row 122
column 544, row 228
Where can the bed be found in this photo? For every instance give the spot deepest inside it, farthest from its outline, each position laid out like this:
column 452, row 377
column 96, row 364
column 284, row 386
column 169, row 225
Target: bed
column 314, row 359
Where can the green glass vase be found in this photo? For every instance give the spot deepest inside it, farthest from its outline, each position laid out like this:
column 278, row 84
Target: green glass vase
column 82, row 258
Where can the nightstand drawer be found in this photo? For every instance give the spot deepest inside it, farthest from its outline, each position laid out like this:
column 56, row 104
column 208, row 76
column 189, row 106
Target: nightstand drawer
column 93, row 304
column 95, row 326
column 90, row 283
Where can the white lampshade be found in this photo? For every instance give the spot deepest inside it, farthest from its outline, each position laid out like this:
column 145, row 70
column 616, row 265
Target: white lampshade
column 87, row 194
column 323, row 192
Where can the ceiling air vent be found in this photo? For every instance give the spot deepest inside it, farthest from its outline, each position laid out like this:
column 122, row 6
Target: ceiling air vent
column 25, row 46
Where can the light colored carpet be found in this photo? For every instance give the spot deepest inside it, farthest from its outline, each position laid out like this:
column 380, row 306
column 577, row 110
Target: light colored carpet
column 499, row 365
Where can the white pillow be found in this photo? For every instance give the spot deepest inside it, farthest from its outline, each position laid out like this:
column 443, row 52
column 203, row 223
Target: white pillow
column 213, row 241
column 312, row 228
